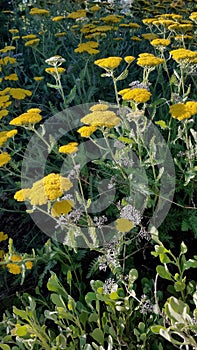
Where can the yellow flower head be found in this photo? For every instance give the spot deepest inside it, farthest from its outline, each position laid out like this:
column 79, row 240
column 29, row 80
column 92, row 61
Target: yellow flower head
column 28, row 265
column 89, row 47
column 62, row 207
column 27, row 118
column 180, row 55
column 11, row 133
column 163, row 22
column 51, row 187
column 8, row 60
column 15, row 258
column 150, row 36
column 148, row 20
column 29, row 36
column 86, row 131
column 181, row 28
column 4, row 158
column 13, row 31
column 3, row 99
column 3, row 236
column 99, row 107
column 77, row 14
column 22, row 195
column 7, row 49
column 160, row 42
column 180, row 111
column 149, row 60
column 14, row 269
column 95, row 8
column 34, row 110
column 109, row 63
column 55, row 70
column 124, row 225
column 112, row 18
column 3, row 139
column 101, row 29
column 40, row 12
column 11, row 77
column 58, row 18
column 38, row 78
column 193, row 16
column 70, row 148
column 136, row 38
column 129, row 59
column 16, row 37
column 19, row 93
column 3, row 113
column 33, row 42
column 192, row 107
column 107, row 119
column 138, row 95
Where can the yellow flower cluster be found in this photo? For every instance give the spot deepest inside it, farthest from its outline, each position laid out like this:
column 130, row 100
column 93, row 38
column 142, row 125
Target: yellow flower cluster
column 62, row 207
column 4, row 102
column 13, row 31
column 100, row 29
column 36, row 11
column 150, row 36
column 32, row 116
column 178, row 27
column 112, row 19
column 183, row 111
column 129, row 59
column 160, row 42
column 95, row 8
column 29, row 36
column 109, row 63
column 15, row 264
column 138, row 95
column 7, row 60
column 55, row 70
column 89, row 47
column 33, row 42
column 70, row 148
column 38, row 78
column 183, row 55
column 12, row 77
column 57, row 18
column 124, row 225
column 18, row 93
column 4, row 158
column 77, row 14
column 193, row 16
column 5, row 135
column 7, row 49
column 149, row 60
column 86, row 131
column 101, row 117
column 50, row 188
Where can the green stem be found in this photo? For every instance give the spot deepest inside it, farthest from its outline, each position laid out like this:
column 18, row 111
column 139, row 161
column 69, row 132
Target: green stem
column 41, row 137
column 116, row 90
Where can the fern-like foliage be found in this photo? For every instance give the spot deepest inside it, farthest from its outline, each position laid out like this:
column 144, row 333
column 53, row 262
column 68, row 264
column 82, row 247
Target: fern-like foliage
column 92, row 268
